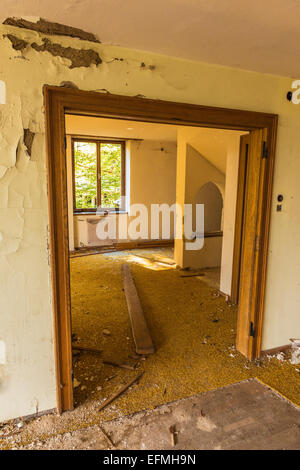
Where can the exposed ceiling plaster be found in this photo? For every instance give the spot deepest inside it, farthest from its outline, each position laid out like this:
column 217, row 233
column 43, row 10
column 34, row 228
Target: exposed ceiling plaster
column 256, row 35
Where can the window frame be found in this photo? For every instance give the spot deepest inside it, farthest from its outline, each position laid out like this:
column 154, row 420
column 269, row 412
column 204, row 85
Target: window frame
column 98, row 142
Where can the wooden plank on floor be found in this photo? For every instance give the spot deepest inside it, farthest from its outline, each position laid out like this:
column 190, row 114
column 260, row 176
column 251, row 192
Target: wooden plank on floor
column 140, row 331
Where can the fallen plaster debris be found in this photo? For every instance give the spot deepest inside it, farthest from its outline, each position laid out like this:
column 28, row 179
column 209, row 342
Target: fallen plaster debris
column 47, row 27
column 280, row 356
column 205, row 424
column 76, row 383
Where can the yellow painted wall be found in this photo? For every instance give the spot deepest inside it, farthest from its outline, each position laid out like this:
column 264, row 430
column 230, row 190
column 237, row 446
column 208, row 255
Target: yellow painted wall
column 27, row 373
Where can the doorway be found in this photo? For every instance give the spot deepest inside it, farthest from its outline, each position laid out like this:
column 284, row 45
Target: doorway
column 262, row 128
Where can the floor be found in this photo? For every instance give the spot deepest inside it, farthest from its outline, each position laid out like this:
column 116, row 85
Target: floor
column 193, row 329
column 246, row 415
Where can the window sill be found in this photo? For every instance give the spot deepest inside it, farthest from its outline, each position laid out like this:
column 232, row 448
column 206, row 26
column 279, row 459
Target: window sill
column 100, row 214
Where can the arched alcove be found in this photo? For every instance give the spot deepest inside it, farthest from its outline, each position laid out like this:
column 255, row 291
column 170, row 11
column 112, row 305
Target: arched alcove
column 210, row 194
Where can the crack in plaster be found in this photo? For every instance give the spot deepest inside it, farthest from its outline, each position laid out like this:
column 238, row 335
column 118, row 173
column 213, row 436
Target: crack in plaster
column 28, row 140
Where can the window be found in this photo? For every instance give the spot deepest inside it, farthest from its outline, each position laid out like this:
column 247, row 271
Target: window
column 98, row 174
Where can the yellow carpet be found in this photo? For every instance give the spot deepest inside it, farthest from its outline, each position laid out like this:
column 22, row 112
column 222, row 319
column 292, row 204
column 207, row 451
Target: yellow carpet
column 192, row 328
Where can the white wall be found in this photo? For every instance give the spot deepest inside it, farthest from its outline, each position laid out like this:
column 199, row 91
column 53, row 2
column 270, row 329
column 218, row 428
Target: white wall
column 25, row 281
column 229, row 211
column 221, row 148
column 198, row 172
column 210, row 195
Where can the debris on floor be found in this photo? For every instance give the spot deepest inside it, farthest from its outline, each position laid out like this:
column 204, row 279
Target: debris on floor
column 254, row 417
column 86, row 349
column 121, row 390
column 122, row 365
column 76, row 383
column 140, row 330
column 177, row 322
column 192, row 352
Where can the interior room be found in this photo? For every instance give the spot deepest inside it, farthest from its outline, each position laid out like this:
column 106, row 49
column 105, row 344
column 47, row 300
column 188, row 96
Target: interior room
column 171, row 282
column 146, row 173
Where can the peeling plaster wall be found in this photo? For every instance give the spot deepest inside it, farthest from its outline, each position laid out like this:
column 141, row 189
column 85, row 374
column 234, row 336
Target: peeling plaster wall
column 27, row 373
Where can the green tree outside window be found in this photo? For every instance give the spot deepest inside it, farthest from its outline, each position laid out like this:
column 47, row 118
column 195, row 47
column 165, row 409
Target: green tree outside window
column 88, row 187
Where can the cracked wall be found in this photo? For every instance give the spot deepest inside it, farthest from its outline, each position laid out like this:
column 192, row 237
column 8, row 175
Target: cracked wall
column 27, row 373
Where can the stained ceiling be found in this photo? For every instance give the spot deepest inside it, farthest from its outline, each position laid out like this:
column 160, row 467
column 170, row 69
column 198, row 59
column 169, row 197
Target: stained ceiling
column 256, row 35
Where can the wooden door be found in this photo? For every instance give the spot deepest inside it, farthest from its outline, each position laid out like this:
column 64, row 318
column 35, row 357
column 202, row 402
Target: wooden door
column 251, row 229
column 240, row 205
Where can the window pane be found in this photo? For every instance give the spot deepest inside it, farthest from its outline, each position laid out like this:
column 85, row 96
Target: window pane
column 110, row 174
column 85, row 166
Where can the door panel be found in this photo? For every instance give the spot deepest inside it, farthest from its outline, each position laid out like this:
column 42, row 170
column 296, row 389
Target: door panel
column 251, row 235
column 240, row 204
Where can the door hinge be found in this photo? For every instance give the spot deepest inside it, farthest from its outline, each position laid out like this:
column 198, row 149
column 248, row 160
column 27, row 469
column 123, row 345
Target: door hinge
column 264, row 153
column 65, row 141
column 252, row 330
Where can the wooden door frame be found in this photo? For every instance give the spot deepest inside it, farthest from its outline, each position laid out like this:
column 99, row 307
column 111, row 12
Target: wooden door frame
column 59, row 101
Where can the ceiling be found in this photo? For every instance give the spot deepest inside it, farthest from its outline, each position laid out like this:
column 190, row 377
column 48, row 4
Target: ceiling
column 101, row 127
column 257, row 35
column 210, row 143
column 213, row 144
